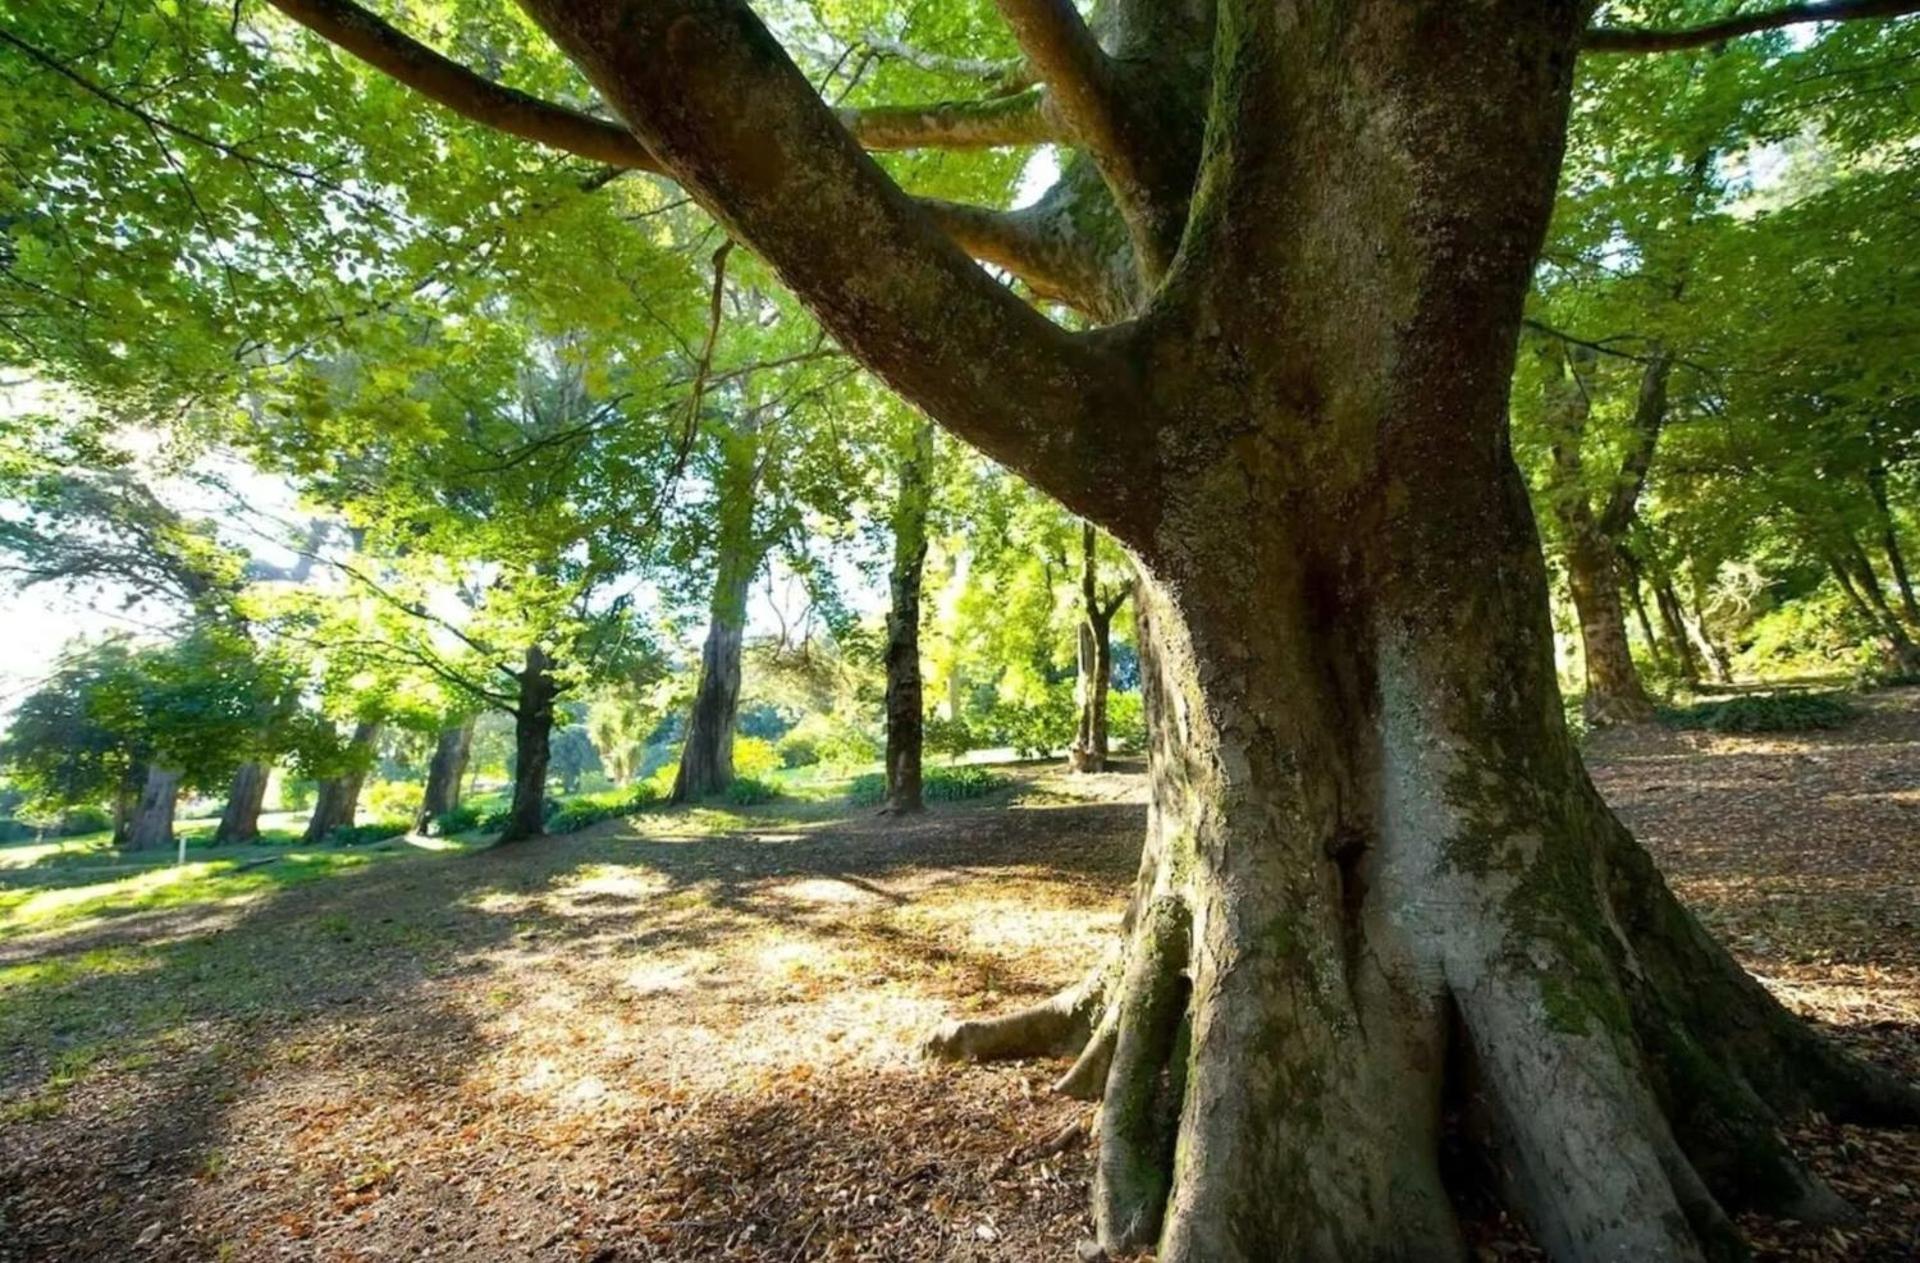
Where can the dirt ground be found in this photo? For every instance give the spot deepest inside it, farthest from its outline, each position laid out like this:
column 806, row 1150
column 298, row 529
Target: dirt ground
column 643, row 1043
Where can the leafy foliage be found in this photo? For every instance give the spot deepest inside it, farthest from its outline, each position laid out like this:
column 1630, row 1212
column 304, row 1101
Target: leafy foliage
column 1764, row 712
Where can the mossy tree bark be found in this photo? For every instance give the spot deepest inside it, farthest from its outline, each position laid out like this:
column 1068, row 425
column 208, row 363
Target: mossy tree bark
column 706, row 756
column 449, row 764
column 1376, row 878
column 1094, row 659
column 338, row 799
column 532, row 747
column 905, row 702
column 151, row 825
column 240, row 821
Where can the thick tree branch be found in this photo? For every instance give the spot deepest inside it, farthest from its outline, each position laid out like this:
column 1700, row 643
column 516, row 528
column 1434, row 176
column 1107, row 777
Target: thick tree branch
column 464, row 91
column 1024, row 119
column 1649, row 418
column 1610, row 39
column 1024, row 244
column 1001, row 76
column 711, row 92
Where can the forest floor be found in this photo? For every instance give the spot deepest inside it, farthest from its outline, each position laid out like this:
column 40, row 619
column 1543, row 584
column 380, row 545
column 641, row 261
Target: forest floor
column 691, row 1036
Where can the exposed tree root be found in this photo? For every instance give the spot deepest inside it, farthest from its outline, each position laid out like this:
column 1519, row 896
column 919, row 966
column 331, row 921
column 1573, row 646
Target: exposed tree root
column 1141, row 1104
column 1056, row 1027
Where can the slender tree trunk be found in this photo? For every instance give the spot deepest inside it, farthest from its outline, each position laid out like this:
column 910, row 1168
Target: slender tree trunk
column 1673, row 618
column 240, row 822
column 1614, row 692
column 1890, row 544
column 706, row 757
column 126, row 800
column 151, row 827
column 338, row 799
column 1896, row 648
column 444, row 773
column 1905, row 655
column 1715, row 653
column 1094, row 659
column 906, row 717
column 1637, row 595
column 532, row 737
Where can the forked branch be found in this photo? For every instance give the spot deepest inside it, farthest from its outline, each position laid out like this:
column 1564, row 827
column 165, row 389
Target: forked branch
column 710, row 92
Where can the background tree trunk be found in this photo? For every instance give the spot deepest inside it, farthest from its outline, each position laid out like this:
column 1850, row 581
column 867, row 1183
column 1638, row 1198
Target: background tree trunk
column 906, row 719
column 152, row 825
column 532, row 737
column 240, row 822
column 1094, row 660
column 706, row 757
column 444, row 773
column 338, row 800
column 1673, row 618
column 1890, row 544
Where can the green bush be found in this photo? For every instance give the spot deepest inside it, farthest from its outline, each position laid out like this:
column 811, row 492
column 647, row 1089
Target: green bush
column 937, row 785
column 1038, row 729
column 797, row 750
column 394, row 798
column 363, row 834
column 951, row 737
column 1757, row 712
column 1127, row 720
column 297, row 793
column 461, row 819
column 87, row 819
column 747, row 791
column 754, row 757
column 576, row 814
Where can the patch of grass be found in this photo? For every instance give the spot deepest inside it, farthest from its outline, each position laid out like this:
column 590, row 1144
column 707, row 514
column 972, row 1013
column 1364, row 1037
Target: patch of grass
column 160, row 886
column 1763, row 712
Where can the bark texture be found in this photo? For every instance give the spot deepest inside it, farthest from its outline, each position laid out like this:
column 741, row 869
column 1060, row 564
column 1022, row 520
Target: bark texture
column 906, row 707
column 444, row 773
column 240, row 821
column 151, row 826
column 532, row 747
column 338, row 800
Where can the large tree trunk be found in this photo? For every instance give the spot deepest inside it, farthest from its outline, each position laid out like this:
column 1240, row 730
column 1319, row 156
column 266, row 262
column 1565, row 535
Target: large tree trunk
column 706, row 757
column 240, row 822
column 444, row 773
column 338, row 799
column 1378, row 887
column 906, row 710
column 1377, row 884
column 532, row 744
column 151, row 826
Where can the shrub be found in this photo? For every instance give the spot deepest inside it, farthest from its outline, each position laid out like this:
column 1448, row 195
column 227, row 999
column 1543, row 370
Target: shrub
column 1771, row 712
column 394, row 798
column 578, row 813
column 747, row 791
column 87, row 819
column 297, row 793
column 937, row 785
column 1038, row 729
column 754, row 757
column 461, row 819
column 827, row 739
column 363, row 834
column 951, row 737
column 796, row 750
column 1127, row 720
